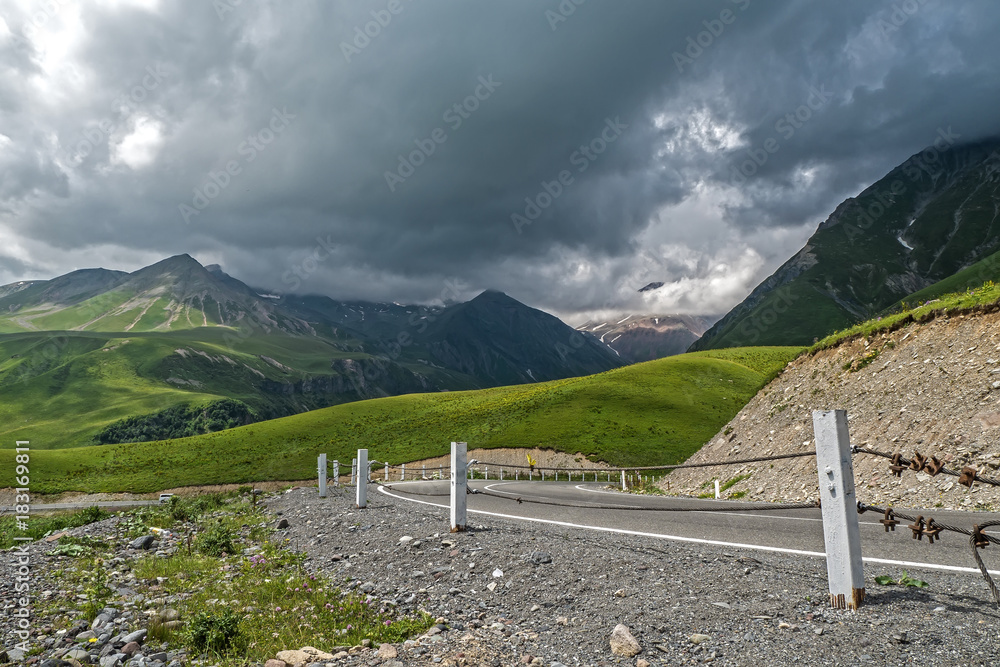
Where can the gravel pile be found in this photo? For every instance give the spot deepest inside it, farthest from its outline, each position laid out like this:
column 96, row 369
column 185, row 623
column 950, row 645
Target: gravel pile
column 511, row 593
column 932, row 388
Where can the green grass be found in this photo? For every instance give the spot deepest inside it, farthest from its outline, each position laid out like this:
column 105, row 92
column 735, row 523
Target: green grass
column 970, row 300
column 237, row 608
column 658, row 412
column 59, row 389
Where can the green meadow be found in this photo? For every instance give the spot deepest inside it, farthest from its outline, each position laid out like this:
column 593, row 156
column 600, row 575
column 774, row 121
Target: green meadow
column 658, row 412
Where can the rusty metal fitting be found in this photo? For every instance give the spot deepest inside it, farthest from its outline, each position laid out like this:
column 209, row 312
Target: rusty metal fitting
column 933, row 466
column 918, row 528
column 978, row 539
column 889, row 521
column 932, row 531
column 896, row 467
column 918, row 462
column 967, row 477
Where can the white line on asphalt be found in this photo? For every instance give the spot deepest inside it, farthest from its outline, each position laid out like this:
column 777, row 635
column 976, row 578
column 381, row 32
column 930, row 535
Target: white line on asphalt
column 678, row 538
column 489, row 487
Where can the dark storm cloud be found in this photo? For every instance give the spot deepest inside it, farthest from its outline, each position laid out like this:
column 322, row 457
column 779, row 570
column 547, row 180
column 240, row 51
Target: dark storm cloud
column 284, row 142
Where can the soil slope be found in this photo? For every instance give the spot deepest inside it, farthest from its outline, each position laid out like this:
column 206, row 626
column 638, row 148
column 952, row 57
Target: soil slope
column 932, row 388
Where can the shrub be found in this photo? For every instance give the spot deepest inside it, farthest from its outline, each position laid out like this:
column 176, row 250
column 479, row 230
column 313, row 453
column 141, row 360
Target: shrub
column 218, row 633
column 217, row 540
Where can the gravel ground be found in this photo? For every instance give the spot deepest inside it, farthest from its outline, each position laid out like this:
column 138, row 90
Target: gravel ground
column 753, row 608
column 514, row 593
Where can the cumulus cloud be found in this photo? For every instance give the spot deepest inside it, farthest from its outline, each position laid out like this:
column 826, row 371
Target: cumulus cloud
column 565, row 153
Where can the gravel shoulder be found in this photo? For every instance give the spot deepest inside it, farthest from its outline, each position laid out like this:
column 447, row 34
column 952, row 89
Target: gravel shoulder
column 562, row 592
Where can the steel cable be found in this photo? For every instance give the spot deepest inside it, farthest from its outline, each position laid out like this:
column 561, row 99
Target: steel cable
column 974, row 533
column 906, row 462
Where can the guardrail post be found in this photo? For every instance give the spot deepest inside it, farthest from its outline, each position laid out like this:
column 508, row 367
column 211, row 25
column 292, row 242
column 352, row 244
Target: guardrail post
column 459, row 486
column 362, row 488
column 402, row 472
column 844, row 567
column 336, row 472
column 624, row 488
column 486, row 472
column 385, row 476
column 716, row 489
column 423, row 474
column 321, row 465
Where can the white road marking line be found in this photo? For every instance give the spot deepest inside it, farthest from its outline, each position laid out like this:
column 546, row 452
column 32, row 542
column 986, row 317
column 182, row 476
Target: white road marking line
column 489, row 487
column 694, row 540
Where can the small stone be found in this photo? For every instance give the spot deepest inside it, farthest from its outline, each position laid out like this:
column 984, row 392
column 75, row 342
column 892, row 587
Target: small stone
column 698, row 638
column 534, row 607
column 492, row 586
column 623, row 643
column 784, row 626
column 143, row 542
column 562, row 620
column 282, row 524
column 130, row 649
column 367, row 587
column 620, row 593
column 497, row 573
column 818, row 631
column 540, row 557
column 86, row 635
column 316, row 653
column 526, row 659
column 940, row 609
column 642, row 662
column 137, row 636
column 387, row 651
column 340, row 655
column 405, row 538
column 724, row 605
column 293, row 657
column 275, row 663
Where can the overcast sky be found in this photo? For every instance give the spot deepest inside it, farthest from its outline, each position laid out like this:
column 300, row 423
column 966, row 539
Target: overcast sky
column 565, row 152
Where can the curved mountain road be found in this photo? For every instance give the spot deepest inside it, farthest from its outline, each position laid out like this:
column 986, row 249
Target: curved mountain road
column 798, row 531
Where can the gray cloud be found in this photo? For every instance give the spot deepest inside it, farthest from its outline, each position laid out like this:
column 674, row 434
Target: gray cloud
column 276, row 128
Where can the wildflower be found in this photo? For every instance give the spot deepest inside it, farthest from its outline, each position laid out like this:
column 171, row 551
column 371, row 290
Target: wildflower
column 277, row 608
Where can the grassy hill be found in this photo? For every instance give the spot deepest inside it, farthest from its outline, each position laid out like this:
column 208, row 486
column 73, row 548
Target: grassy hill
column 60, row 389
column 657, row 412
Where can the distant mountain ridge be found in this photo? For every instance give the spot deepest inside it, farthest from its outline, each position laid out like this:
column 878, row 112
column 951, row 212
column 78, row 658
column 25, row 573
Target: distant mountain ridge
column 932, row 216
column 646, row 337
column 175, row 333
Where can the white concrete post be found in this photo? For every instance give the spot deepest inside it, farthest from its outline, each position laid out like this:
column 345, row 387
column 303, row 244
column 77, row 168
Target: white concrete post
column 486, row 472
column 844, row 567
column 385, row 476
column 531, row 475
column 362, row 488
column 423, row 474
column 440, row 472
column 517, row 475
column 321, row 465
column 459, row 485
column 624, row 488
column 354, row 469
column 543, row 475
column 336, row 472
column 716, row 489
column 501, row 474
column 402, row 472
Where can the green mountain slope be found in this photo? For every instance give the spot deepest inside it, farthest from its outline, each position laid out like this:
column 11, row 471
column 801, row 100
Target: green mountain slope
column 656, row 412
column 923, row 222
column 62, row 389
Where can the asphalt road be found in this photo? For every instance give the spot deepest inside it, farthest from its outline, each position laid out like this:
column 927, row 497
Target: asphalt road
column 789, row 531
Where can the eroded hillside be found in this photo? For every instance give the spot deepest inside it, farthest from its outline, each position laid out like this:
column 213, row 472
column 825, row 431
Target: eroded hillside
column 932, row 388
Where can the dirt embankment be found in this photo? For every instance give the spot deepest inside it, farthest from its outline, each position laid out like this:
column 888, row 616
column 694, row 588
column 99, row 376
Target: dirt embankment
column 932, row 388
